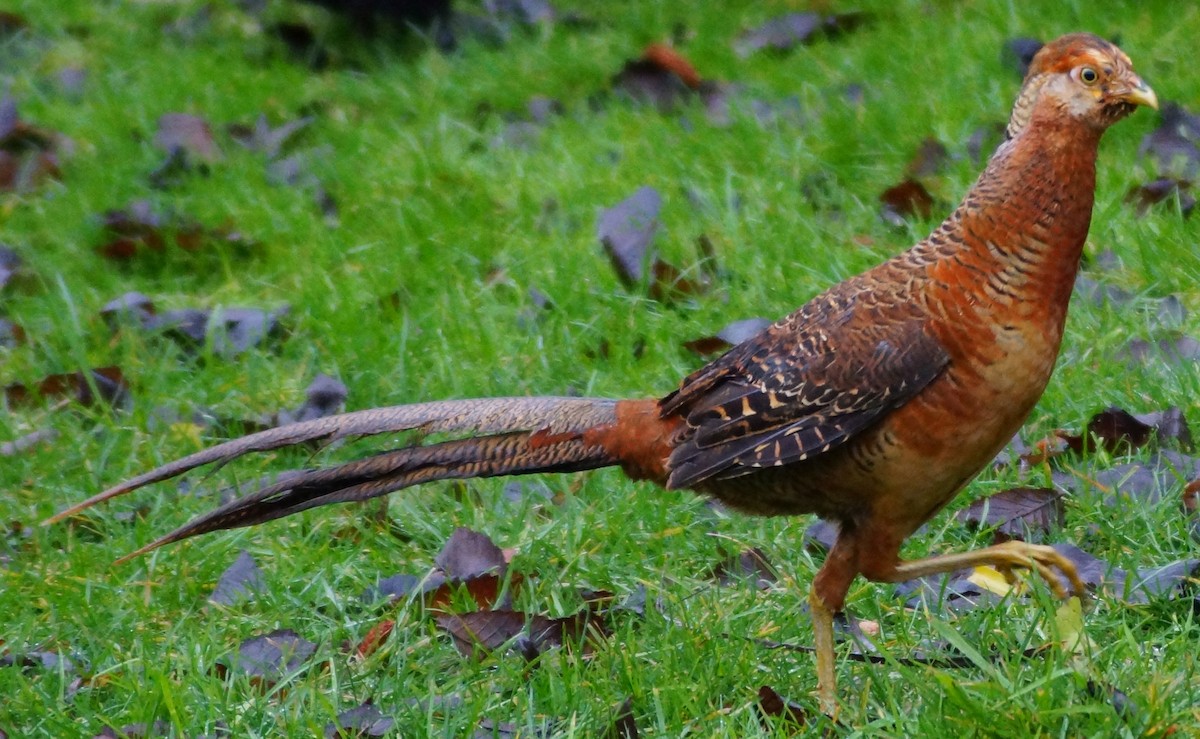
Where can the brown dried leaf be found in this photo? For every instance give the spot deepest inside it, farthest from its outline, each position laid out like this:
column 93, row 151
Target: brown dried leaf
column 661, row 77
column 106, row 384
column 772, row 705
column 909, row 198
column 1162, row 190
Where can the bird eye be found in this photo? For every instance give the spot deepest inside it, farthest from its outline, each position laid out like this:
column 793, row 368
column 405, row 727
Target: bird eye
column 1088, row 75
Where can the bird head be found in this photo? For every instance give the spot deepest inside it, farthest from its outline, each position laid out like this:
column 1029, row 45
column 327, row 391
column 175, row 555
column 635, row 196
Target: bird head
column 1082, row 76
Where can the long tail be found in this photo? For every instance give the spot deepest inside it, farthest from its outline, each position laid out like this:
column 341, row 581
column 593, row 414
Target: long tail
column 507, row 436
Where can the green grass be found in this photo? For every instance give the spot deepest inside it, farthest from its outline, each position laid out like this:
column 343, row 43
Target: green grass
column 429, row 211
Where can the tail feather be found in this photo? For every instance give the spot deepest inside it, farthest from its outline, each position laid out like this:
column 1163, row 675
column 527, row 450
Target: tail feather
column 387, row 472
column 549, row 416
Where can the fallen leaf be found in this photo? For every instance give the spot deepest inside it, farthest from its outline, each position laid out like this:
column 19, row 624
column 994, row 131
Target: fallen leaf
column 1025, row 513
column 729, row 336
column 624, row 725
column 28, row 441
column 1173, row 145
column 772, row 705
column 261, row 137
column 102, row 384
column 748, row 564
column 660, row 77
column 1162, row 190
column 1018, row 53
column 189, row 134
column 908, row 199
column 788, row 31
column 365, row 720
column 375, row 638
column 240, row 581
column 482, row 632
column 268, row 658
column 931, row 158
column 29, row 155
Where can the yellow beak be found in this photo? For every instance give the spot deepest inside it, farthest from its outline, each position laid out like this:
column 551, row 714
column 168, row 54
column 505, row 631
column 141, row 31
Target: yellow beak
column 1139, row 93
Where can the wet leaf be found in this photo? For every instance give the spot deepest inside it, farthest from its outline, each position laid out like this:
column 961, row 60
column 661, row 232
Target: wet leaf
column 263, row 138
column 788, row 31
column 470, row 554
column 240, row 581
column 624, row 725
column 732, row 335
column 1018, row 53
column 483, row 632
column 906, row 200
column 772, row 705
column 1162, row 190
column 188, row 134
column 1025, row 513
column 11, row 334
column 137, row 731
column 1173, row 145
column 375, row 638
column 1102, row 293
column 820, row 536
column 931, row 158
column 11, row 266
column 365, row 720
column 271, row 657
column 627, row 229
column 29, row 155
column 661, row 77
column 28, row 441
column 1177, row 349
column 748, row 564
column 102, row 384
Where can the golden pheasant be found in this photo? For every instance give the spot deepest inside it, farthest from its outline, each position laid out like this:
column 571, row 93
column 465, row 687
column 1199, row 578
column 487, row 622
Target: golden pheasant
column 871, row 406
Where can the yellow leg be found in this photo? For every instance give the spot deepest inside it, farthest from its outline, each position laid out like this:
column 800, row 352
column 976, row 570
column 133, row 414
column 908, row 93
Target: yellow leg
column 1004, row 556
column 822, row 618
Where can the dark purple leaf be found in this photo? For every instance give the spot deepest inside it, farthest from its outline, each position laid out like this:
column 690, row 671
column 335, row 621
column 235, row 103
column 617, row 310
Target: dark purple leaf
column 1162, row 190
column 365, row 720
column 820, row 536
column 1019, row 52
column 261, row 137
column 11, row 334
column 1173, row 145
column 785, row 32
column 748, row 564
column 1100, row 293
column 10, row 265
column 105, row 384
column 28, row 441
column 132, row 306
column 241, row 580
column 272, row 656
column 469, row 554
column 136, row 731
column 482, row 632
column 1026, row 513
column 1158, row 583
column 732, row 335
column 931, row 159
column 627, row 229
column 1092, row 571
column 1179, row 349
column 400, row 587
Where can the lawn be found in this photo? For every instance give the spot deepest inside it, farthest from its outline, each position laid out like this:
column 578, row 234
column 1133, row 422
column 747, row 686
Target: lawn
column 431, row 238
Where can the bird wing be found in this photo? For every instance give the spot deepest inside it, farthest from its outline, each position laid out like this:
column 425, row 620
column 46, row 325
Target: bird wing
column 807, row 384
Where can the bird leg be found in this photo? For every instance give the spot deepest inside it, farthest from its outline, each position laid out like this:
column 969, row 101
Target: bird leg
column 822, row 620
column 1010, row 554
